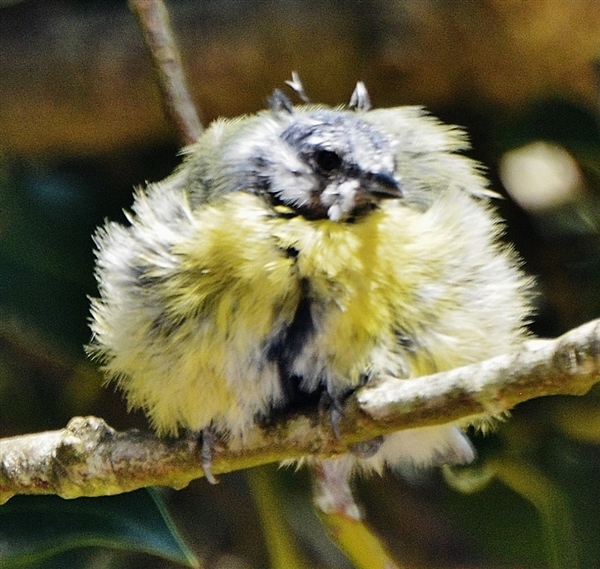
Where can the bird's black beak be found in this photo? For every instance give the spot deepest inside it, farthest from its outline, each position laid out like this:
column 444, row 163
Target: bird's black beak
column 383, row 185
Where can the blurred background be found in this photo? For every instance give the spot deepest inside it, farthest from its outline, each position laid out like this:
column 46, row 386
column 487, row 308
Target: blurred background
column 81, row 124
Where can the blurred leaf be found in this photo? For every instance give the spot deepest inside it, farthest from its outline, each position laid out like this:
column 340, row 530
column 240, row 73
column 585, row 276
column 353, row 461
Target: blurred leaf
column 572, row 126
column 283, row 549
column 469, row 480
column 46, row 219
column 579, row 419
column 81, row 558
column 550, row 500
column 33, row 528
column 359, row 542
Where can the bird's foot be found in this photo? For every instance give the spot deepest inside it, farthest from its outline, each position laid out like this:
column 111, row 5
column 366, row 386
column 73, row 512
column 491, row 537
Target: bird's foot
column 362, row 449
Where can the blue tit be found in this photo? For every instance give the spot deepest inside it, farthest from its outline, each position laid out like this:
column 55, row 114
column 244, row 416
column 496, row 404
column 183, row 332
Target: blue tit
column 304, row 251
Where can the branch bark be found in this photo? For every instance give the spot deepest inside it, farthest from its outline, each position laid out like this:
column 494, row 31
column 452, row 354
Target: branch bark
column 88, row 458
column 155, row 25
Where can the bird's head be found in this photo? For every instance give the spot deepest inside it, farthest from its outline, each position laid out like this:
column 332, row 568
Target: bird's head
column 321, row 163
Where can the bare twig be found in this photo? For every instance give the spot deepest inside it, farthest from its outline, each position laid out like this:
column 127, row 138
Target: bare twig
column 155, row 24
column 88, row 458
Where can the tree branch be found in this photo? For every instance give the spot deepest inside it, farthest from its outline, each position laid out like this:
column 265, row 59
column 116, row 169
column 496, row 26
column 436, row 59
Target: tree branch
column 155, row 25
column 88, row 458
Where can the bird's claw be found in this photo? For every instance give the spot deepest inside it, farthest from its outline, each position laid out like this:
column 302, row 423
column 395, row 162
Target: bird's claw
column 366, row 449
column 363, row 449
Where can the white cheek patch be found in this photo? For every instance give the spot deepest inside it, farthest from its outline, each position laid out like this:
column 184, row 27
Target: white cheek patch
column 340, row 199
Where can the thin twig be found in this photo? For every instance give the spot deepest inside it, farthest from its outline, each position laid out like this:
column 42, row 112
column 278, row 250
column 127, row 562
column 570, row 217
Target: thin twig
column 155, row 24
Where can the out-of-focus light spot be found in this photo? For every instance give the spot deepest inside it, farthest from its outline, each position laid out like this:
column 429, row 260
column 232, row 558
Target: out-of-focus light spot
column 540, row 176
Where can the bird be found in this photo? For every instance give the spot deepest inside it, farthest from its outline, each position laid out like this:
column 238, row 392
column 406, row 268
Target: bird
column 300, row 253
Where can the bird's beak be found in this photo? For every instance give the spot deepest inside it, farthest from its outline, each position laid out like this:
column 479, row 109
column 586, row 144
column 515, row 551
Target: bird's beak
column 383, row 185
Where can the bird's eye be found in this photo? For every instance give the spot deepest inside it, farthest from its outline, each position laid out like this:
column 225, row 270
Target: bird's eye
column 327, row 160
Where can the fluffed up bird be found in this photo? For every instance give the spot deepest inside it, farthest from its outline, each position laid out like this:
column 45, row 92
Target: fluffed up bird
column 301, row 251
